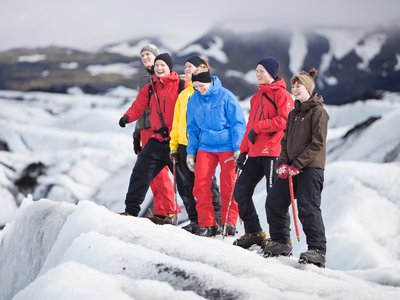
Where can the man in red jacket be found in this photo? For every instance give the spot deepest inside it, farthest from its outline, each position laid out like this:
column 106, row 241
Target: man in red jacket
column 155, row 156
column 269, row 109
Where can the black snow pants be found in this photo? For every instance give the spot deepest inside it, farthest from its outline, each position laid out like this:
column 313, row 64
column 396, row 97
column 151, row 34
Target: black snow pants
column 307, row 187
column 253, row 171
column 188, row 200
column 151, row 160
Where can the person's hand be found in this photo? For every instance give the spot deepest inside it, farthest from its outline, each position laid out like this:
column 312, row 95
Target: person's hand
column 240, row 161
column 190, row 162
column 124, row 120
column 136, row 146
column 174, row 154
column 252, row 135
column 293, row 171
column 283, row 171
column 164, row 131
column 236, row 154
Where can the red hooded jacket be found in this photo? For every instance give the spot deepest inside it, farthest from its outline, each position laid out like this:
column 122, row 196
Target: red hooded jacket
column 267, row 119
column 167, row 89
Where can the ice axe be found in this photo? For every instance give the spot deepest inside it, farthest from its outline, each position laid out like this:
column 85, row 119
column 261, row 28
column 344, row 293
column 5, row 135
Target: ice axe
column 293, row 207
column 175, row 196
column 230, row 200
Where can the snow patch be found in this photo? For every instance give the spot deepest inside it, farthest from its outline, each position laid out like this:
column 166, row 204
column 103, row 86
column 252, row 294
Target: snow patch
column 214, row 50
column 126, row 70
column 69, row 65
column 32, row 58
column 397, row 66
column 297, row 52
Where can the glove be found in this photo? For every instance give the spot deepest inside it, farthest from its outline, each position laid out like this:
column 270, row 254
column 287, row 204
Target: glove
column 174, row 154
column 293, row 171
column 240, row 161
column 252, row 135
column 190, row 162
column 124, row 120
column 283, row 171
column 136, row 146
column 236, row 154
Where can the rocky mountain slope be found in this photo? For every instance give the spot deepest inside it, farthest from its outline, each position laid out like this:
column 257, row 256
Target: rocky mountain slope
column 353, row 63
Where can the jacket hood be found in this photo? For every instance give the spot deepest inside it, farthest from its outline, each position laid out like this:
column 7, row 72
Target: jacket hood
column 314, row 100
column 170, row 77
column 279, row 83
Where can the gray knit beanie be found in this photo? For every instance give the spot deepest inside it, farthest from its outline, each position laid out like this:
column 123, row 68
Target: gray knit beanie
column 151, row 48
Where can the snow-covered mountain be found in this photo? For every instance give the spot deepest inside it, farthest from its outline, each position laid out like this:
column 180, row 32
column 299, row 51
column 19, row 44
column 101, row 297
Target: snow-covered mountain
column 70, row 151
column 353, row 63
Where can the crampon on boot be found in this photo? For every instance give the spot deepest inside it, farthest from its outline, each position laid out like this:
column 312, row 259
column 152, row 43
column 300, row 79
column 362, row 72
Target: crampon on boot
column 313, row 257
column 249, row 239
column 193, row 227
column 207, row 231
column 272, row 249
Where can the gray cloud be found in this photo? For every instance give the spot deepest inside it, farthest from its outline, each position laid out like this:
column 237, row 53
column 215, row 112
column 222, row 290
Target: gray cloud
column 87, row 24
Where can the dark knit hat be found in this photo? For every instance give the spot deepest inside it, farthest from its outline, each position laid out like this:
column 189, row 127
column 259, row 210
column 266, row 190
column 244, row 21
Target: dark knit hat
column 151, row 48
column 165, row 58
column 271, row 64
column 196, row 61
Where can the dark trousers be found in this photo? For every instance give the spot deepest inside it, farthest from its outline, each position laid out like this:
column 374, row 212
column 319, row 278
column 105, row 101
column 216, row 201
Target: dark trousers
column 188, row 200
column 307, row 187
column 151, row 160
column 253, row 171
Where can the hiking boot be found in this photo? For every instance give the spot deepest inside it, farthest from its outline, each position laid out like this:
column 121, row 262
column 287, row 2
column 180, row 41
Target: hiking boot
column 157, row 219
column 272, row 249
column 230, row 230
column 207, row 231
column 249, row 239
column 171, row 219
column 124, row 214
column 313, row 257
column 193, row 227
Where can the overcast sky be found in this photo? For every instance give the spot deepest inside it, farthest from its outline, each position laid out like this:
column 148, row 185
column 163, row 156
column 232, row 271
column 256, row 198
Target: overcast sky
column 89, row 24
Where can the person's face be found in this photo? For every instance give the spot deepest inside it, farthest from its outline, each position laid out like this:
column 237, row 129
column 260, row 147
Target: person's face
column 202, row 87
column 189, row 69
column 161, row 69
column 263, row 76
column 147, row 59
column 300, row 92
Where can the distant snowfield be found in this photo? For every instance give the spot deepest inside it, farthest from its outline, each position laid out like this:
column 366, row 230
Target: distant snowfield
column 71, row 244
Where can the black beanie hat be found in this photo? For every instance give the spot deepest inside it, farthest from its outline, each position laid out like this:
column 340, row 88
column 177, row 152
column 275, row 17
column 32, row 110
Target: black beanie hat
column 271, row 64
column 165, row 58
column 196, row 61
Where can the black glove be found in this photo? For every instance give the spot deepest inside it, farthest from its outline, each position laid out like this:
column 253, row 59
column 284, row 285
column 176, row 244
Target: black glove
column 240, row 161
column 252, row 135
column 174, row 155
column 124, row 120
column 136, row 146
column 164, row 131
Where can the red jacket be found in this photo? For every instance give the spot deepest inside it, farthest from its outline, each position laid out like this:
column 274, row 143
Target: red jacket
column 167, row 89
column 266, row 120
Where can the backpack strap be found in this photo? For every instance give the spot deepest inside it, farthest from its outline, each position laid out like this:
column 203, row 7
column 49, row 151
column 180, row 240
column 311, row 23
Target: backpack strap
column 271, row 101
column 181, row 85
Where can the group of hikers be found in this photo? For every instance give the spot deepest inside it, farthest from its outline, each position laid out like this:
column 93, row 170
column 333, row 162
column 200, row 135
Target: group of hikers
column 189, row 124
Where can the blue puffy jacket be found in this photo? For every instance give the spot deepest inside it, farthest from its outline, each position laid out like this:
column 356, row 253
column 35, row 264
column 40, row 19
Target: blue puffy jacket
column 215, row 121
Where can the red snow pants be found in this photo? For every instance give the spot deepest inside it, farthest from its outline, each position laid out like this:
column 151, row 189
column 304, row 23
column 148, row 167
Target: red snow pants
column 161, row 186
column 206, row 163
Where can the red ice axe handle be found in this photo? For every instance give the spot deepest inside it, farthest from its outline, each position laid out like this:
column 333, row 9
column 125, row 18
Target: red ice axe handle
column 293, row 207
column 230, row 203
column 175, row 196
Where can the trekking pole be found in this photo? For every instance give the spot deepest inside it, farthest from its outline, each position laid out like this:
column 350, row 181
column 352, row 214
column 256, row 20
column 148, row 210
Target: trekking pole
column 175, row 196
column 293, row 207
column 230, row 203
